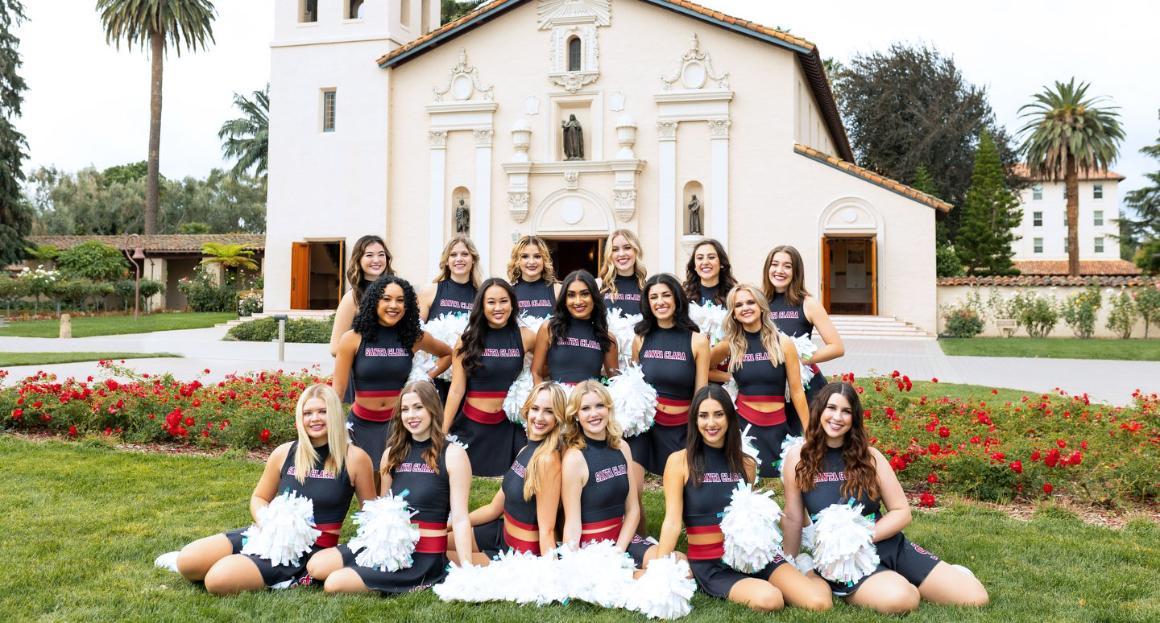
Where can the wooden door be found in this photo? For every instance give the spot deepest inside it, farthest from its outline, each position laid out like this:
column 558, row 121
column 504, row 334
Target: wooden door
column 300, row 276
column 824, row 280
column 341, row 286
column 873, row 276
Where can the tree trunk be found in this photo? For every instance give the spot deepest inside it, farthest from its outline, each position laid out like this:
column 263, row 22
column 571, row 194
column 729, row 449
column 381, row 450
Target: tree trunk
column 1071, row 182
column 152, row 177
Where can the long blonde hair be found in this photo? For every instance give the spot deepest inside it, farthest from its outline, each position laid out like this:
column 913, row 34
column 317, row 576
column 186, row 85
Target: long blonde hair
column 336, row 436
column 608, row 272
column 550, row 446
column 574, row 434
column 445, row 257
column 735, row 333
column 514, row 273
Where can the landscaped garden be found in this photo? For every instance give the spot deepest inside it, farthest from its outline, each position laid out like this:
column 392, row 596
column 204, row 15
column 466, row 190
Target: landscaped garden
column 90, row 326
column 1053, row 348
column 36, row 359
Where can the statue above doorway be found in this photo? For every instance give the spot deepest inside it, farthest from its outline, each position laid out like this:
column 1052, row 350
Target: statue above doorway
column 573, row 136
column 462, row 217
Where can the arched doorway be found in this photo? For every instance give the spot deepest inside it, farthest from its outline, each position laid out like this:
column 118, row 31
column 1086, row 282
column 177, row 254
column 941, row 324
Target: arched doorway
column 851, row 232
column 575, row 222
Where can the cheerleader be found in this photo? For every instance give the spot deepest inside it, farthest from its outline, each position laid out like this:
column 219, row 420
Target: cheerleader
column 369, row 260
column 698, row 483
column 600, row 500
column 764, row 364
column 320, row 465
column 624, row 272
column 574, row 344
column 453, row 290
column 708, row 274
column 522, row 515
column 836, row 465
column 531, row 273
column 378, row 353
column 487, row 359
column 796, row 312
column 435, row 477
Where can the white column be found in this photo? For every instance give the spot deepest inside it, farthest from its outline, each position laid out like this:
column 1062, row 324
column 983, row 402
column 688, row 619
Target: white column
column 481, row 200
column 667, row 194
column 719, row 180
column 436, row 191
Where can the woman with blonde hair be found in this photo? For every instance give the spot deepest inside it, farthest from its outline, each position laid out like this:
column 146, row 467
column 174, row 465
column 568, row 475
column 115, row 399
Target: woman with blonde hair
column 531, row 273
column 623, row 275
column 321, row 465
column 453, row 289
column 764, row 363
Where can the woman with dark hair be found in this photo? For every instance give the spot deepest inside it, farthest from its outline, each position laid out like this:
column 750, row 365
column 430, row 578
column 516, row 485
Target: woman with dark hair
column 765, row 366
column 453, row 289
column 624, row 272
column 699, row 482
column 533, row 276
column 377, row 353
column 708, row 274
column 796, row 312
column 435, row 477
column 369, row 260
column 574, row 344
column 837, row 465
column 487, row 359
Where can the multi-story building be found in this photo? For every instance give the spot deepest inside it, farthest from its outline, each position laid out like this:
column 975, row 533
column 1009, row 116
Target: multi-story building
column 1043, row 232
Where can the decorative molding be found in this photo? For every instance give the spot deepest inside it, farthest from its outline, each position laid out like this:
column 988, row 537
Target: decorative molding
column 580, row 166
column 572, row 81
column 624, row 203
column 552, row 13
column 667, row 130
column 571, row 179
column 437, row 139
column 518, row 204
column 463, row 82
column 616, row 101
column 695, row 70
column 719, row 128
column 532, row 105
column 483, row 137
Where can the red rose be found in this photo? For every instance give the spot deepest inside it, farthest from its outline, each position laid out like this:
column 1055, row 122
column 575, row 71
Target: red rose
column 932, row 478
column 17, row 414
column 1035, row 455
column 998, row 456
column 994, row 392
column 926, row 500
column 264, row 435
column 188, row 421
column 1017, row 467
column 944, row 432
column 897, row 463
column 975, row 439
column 1083, row 444
column 72, row 430
column 934, row 379
column 1047, row 488
column 895, row 374
column 933, row 448
column 931, row 425
column 1075, row 459
column 1052, row 458
column 1061, row 443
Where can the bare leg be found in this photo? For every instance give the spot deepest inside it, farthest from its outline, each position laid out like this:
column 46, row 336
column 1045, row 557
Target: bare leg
column 949, row 586
column 195, row 559
column 757, row 595
column 233, row 574
column 324, row 563
column 802, row 591
column 887, row 592
column 345, row 580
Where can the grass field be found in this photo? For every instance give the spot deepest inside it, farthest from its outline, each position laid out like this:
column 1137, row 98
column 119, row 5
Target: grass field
column 33, row 359
column 83, row 523
column 1053, row 348
column 89, row 326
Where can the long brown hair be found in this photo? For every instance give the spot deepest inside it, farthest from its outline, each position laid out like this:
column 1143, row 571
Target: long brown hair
column 795, row 293
column 695, row 445
column 574, row 434
column 725, row 278
column 608, row 273
column 861, row 477
column 445, row 259
column 551, row 445
column 734, row 333
column 514, row 273
column 354, row 273
column 399, row 443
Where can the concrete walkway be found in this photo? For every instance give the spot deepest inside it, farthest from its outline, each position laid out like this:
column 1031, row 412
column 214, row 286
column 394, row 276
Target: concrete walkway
column 1105, row 381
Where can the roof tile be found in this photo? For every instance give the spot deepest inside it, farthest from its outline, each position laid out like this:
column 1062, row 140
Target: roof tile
column 159, row 243
column 1052, row 280
column 1086, row 267
column 874, row 178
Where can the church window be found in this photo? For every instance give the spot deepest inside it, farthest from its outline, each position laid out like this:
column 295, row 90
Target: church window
column 308, row 11
column 574, row 50
column 328, row 102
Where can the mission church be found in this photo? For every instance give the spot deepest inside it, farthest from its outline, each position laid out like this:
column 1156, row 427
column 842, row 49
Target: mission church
column 569, row 119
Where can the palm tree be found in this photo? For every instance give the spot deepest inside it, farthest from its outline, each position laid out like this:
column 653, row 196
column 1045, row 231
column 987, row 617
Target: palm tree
column 184, row 23
column 247, row 138
column 1065, row 134
column 228, row 256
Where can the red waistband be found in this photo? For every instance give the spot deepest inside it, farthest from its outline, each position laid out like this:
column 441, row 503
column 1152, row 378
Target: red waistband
column 483, row 417
column 761, row 418
column 610, row 531
column 507, row 518
column 373, row 415
column 520, row 545
column 665, row 418
column 707, row 551
column 431, row 544
column 329, row 536
column 483, row 394
column 377, row 393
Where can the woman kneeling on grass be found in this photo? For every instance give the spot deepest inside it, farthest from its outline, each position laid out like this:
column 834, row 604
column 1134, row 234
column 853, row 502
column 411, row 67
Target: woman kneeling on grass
column 699, row 483
column 835, row 465
column 436, row 476
column 323, row 466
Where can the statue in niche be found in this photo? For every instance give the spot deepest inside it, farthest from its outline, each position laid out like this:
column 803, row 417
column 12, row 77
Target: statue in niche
column 462, row 218
column 573, row 139
column 694, row 215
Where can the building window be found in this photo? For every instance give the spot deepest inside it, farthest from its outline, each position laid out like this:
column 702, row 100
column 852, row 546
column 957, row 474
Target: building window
column 1097, row 191
column 1037, row 192
column 1037, row 219
column 1038, row 245
column 328, row 103
column 405, row 14
column 352, row 9
column 1065, row 193
column 1098, row 217
column 574, row 50
column 1099, row 244
column 308, row 11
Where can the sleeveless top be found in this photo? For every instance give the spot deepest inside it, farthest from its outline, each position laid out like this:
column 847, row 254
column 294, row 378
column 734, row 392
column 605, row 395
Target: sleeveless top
column 501, row 362
column 427, row 492
column 705, row 503
column 605, row 492
column 666, row 357
column 331, row 493
column 381, row 364
column 790, row 319
column 757, row 376
column 627, row 297
column 514, row 505
column 709, row 294
column 535, row 298
column 576, row 356
column 828, row 487
column 451, row 298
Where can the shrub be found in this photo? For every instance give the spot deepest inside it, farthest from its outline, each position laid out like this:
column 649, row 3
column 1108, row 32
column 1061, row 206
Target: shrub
column 947, row 263
column 300, row 330
column 1079, row 311
column 204, row 295
column 1036, row 314
column 39, row 282
column 92, row 260
column 249, row 302
column 966, row 318
column 1122, row 318
column 125, row 288
column 12, row 289
column 1147, row 304
column 80, row 293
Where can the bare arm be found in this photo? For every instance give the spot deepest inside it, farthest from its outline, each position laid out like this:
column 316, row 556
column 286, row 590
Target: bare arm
column 267, row 486
column 362, row 474
column 488, row 512
column 817, row 315
column 718, row 354
column 897, row 515
column 548, row 503
column 631, row 505
column 457, row 390
column 540, row 355
column 793, row 380
column 344, row 360
column 528, row 338
column 459, row 475
column 636, row 344
column 574, row 477
column 792, row 517
column 343, row 316
column 676, row 474
column 701, row 358
column 436, row 347
column 612, row 358
column 426, row 298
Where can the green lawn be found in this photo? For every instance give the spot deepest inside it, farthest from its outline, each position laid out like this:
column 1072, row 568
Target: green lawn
column 89, row 326
column 1054, row 348
column 33, row 359
column 83, row 523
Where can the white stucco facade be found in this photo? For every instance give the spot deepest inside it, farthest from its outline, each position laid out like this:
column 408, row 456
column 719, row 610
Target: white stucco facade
column 1043, row 229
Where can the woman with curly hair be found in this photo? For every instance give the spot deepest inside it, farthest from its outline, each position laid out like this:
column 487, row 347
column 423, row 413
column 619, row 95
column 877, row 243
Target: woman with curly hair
column 378, row 352
column 708, row 274
column 837, row 465
column 487, row 360
column 575, row 344
column 531, row 273
column 369, row 260
column 624, row 272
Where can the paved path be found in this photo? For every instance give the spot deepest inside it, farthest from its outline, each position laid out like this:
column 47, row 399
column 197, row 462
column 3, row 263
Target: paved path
column 1110, row 381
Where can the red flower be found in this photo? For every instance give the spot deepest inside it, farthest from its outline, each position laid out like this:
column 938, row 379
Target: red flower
column 994, row 392
column 264, row 435
column 926, row 500
column 998, row 456
column 1047, row 488
column 111, row 384
column 975, row 439
column 72, row 430
column 1052, row 458
column 931, row 425
column 897, row 463
column 944, row 432
column 1083, row 444
column 933, row 448
column 188, row 421
column 932, row 478
column 1035, row 455
column 1075, row 459
column 1017, row 467
column 934, row 379
column 895, row 374
column 1061, row 443
column 17, row 414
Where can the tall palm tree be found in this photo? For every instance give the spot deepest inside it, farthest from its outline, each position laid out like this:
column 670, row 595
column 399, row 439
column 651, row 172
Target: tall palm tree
column 247, row 138
column 157, row 23
column 1067, row 133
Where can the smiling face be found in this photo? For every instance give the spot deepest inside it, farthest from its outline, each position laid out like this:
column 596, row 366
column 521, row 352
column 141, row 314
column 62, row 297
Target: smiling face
column 373, row 261
column 414, row 416
column 712, row 423
column 662, row 301
column 593, row 416
column 531, row 262
column 459, row 261
column 497, row 306
column 579, row 300
column 707, row 264
column 314, row 420
column 745, row 310
column 837, row 418
column 541, row 416
column 780, row 270
column 623, row 256
column 392, row 305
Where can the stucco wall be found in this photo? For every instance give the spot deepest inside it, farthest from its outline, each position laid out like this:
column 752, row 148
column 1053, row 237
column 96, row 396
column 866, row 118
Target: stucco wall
column 954, row 295
column 1053, row 231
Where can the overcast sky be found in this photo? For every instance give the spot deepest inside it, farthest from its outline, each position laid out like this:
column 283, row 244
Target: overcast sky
column 88, row 104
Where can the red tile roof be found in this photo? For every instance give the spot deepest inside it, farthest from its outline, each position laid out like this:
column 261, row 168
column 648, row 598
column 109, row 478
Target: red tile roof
column 874, row 178
column 1052, row 280
column 1086, row 267
column 1021, row 170
column 160, row 243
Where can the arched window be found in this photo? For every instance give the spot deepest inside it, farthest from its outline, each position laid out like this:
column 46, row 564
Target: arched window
column 574, row 50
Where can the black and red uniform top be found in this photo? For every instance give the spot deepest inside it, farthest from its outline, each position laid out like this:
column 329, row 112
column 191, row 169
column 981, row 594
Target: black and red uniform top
column 381, row 366
column 451, row 297
column 602, row 500
column 666, row 358
column 758, row 380
column 535, row 298
column 627, row 296
column 331, row 493
column 706, row 501
column 790, row 319
column 501, row 362
column 517, row 511
column 828, row 484
column 577, row 355
column 709, row 295
column 428, row 493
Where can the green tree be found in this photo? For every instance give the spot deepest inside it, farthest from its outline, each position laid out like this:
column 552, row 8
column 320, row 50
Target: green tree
column 126, row 173
column 228, row 256
column 247, row 138
column 1146, row 203
column 1148, row 305
column 990, row 215
column 15, row 213
column 1066, row 133
column 156, row 24
column 92, row 260
column 451, row 10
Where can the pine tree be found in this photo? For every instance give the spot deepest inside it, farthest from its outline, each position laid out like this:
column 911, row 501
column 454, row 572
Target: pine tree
column 990, row 214
column 15, row 213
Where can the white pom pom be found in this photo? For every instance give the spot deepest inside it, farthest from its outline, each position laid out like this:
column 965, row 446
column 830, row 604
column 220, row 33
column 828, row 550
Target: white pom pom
column 844, row 548
column 517, row 395
column 790, row 441
column 455, row 440
column 521, row 577
column 421, row 366
column 598, row 573
column 748, row 447
column 623, row 328
column 447, row 328
column 808, row 534
column 731, row 387
column 664, row 590
column 634, row 401
column 168, row 560
column 386, row 536
column 805, row 349
column 531, row 322
column 710, row 319
column 285, row 530
column 466, row 582
column 750, row 526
